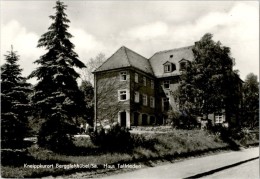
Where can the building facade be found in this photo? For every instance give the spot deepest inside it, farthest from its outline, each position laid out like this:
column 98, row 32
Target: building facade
column 135, row 91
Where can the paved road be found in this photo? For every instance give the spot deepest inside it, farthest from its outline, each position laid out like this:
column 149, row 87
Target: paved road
column 202, row 167
column 248, row 170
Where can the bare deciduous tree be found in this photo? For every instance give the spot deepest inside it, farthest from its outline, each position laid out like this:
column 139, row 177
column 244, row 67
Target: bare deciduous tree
column 92, row 65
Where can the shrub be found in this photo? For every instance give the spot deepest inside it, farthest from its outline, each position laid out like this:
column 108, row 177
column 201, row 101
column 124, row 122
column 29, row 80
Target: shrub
column 55, row 134
column 116, row 138
column 186, row 122
column 234, row 133
column 138, row 140
column 230, row 136
column 120, row 139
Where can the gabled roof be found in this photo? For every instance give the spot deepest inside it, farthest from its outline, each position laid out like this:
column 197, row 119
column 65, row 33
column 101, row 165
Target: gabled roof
column 173, row 56
column 183, row 59
column 125, row 57
column 167, row 62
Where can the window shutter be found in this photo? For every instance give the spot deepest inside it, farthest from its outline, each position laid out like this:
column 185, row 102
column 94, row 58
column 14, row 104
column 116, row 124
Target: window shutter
column 127, row 94
column 136, row 77
column 137, row 97
column 118, row 95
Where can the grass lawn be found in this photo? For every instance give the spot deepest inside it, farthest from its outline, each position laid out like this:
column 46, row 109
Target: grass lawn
column 174, row 144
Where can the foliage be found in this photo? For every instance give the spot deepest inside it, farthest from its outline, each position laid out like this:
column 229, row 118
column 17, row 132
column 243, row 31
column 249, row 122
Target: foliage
column 14, row 157
column 186, row 122
column 249, row 137
column 209, row 83
column 88, row 91
column 170, row 146
column 182, row 120
column 56, row 75
column 15, row 102
column 251, row 102
column 116, row 138
column 236, row 137
column 173, row 114
column 57, row 96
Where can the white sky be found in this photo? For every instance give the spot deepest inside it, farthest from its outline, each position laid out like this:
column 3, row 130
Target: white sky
column 143, row 26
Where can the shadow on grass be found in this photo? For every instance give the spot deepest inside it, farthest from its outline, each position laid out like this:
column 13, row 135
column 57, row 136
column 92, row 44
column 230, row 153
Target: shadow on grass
column 86, row 148
column 17, row 158
column 232, row 144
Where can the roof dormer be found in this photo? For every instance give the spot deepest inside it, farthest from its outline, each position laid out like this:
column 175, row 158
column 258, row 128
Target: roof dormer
column 169, row 67
column 183, row 64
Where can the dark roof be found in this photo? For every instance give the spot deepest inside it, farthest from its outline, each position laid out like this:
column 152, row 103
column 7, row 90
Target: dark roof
column 125, row 57
column 173, row 56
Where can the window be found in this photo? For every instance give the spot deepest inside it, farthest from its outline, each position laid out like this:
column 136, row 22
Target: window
column 167, row 68
column 122, row 95
column 137, row 97
column 123, row 76
column 152, row 84
column 182, row 65
column 151, row 102
column 219, row 118
column 144, row 80
column 136, row 77
column 144, row 99
column 165, row 104
column 166, row 84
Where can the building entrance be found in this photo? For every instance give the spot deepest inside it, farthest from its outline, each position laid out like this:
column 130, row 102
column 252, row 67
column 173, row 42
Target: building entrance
column 123, row 119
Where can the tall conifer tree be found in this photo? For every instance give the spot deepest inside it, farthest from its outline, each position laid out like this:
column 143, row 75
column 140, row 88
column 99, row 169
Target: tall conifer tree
column 14, row 102
column 57, row 96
